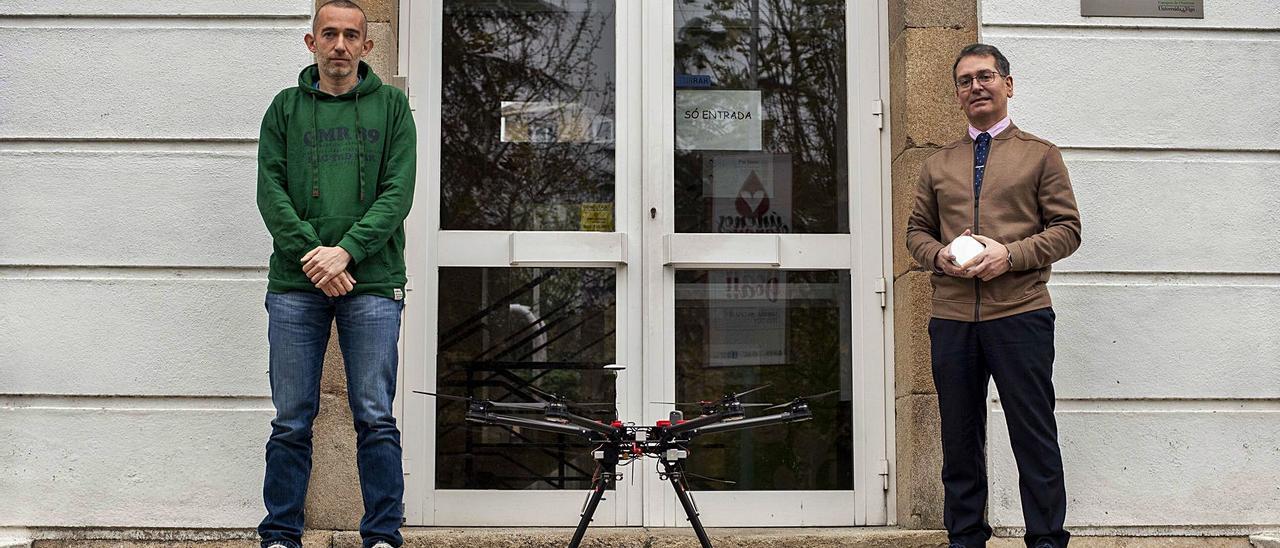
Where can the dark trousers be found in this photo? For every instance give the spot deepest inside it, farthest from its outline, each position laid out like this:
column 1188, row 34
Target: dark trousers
column 1018, row 352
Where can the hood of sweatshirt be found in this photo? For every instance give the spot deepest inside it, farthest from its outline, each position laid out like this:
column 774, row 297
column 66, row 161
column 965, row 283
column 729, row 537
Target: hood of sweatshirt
column 368, row 83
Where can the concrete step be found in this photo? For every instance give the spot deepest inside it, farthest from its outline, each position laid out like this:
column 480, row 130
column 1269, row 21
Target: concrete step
column 638, row 537
column 608, row 537
column 1270, row 539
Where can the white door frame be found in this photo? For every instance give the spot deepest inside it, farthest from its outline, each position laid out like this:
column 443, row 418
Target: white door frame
column 644, row 153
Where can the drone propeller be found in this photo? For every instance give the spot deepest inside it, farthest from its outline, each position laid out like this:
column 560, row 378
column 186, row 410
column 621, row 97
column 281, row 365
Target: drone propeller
column 805, row 398
column 534, row 406
column 709, row 478
column 730, row 397
column 556, row 398
column 741, row 394
column 707, row 403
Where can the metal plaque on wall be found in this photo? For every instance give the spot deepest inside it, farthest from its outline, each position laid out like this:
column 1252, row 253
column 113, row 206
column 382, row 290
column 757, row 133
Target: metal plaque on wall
column 1188, row 9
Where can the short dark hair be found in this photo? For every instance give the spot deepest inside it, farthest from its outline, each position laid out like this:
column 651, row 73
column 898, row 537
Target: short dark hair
column 348, row 4
column 982, row 50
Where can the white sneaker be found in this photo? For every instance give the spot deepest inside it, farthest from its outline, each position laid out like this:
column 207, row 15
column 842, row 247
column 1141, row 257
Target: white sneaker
column 378, row 545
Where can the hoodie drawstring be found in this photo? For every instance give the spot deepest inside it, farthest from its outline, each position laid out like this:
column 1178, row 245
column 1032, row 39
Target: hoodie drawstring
column 359, row 150
column 315, row 156
column 315, row 152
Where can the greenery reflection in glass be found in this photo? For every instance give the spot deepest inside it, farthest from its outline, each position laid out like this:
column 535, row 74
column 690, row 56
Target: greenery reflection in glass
column 527, row 115
column 739, row 329
column 505, row 335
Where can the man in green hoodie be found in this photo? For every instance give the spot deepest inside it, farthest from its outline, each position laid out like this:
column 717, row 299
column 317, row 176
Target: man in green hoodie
column 336, row 163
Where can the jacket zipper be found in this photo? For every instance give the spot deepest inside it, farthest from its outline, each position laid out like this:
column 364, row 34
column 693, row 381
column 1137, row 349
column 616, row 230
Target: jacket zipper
column 977, row 283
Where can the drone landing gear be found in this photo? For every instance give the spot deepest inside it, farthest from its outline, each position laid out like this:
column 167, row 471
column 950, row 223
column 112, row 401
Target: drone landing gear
column 608, row 465
column 673, row 472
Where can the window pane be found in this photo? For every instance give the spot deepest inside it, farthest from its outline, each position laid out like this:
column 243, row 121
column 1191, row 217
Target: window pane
column 527, row 115
column 739, row 329
column 761, row 138
column 513, row 335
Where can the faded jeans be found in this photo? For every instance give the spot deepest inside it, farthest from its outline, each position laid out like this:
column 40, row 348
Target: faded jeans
column 298, row 332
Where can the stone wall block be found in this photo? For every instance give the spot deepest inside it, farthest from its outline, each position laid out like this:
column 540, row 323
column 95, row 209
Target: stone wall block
column 333, row 379
column 919, row 455
column 382, row 11
column 913, row 373
column 951, row 14
column 333, row 497
column 906, row 175
column 384, row 56
column 921, row 91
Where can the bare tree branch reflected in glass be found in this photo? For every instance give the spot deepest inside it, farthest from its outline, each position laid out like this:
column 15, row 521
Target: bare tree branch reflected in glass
column 794, row 52
column 527, row 114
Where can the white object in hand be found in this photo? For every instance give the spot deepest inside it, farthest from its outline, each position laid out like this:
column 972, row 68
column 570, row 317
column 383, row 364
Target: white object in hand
column 965, row 248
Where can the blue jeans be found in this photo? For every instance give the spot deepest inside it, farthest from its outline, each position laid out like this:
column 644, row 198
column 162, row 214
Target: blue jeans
column 298, row 332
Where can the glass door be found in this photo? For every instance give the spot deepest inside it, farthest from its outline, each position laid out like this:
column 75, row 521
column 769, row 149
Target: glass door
column 685, row 188
column 530, row 196
column 761, row 257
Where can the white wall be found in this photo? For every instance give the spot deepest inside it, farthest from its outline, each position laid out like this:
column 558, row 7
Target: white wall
column 133, row 387
column 1168, row 367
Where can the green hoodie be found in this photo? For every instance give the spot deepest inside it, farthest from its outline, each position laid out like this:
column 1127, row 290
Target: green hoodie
column 337, row 170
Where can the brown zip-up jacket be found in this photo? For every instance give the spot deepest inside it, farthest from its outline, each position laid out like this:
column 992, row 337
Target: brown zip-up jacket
column 1026, row 203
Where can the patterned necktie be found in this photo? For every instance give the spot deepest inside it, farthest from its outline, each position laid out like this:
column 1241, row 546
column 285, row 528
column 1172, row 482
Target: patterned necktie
column 980, row 149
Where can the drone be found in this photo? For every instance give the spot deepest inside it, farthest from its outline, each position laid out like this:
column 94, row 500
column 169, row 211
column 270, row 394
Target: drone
column 618, row 443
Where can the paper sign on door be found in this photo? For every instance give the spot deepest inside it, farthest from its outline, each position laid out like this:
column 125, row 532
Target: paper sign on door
column 718, row 120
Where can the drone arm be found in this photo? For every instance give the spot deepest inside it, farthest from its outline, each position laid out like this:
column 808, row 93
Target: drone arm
column 588, row 424
column 535, row 424
column 794, row 414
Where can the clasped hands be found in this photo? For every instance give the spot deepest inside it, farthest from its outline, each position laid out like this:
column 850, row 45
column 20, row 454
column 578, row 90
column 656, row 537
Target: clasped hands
column 327, row 268
column 986, row 266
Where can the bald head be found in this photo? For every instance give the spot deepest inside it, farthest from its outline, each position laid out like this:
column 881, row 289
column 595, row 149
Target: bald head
column 317, row 20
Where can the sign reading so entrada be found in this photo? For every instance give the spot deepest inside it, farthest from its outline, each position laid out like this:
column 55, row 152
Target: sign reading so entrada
column 718, row 119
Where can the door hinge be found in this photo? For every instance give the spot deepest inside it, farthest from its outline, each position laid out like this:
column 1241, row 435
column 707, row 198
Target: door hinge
column 408, row 282
column 877, row 110
column 401, row 82
column 882, row 290
column 884, row 474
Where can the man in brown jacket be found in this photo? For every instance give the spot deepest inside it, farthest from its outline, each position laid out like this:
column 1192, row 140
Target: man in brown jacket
column 992, row 316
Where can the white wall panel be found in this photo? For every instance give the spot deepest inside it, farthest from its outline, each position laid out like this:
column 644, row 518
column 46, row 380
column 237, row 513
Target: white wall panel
column 1166, row 371
column 132, row 208
column 1167, row 341
column 157, row 7
column 1243, row 14
column 1143, row 89
column 133, row 336
column 1147, row 468
column 133, row 352
column 1140, row 210
column 137, row 468
column 110, row 81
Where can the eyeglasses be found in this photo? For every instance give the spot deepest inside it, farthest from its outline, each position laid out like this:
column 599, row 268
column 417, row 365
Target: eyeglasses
column 985, row 78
